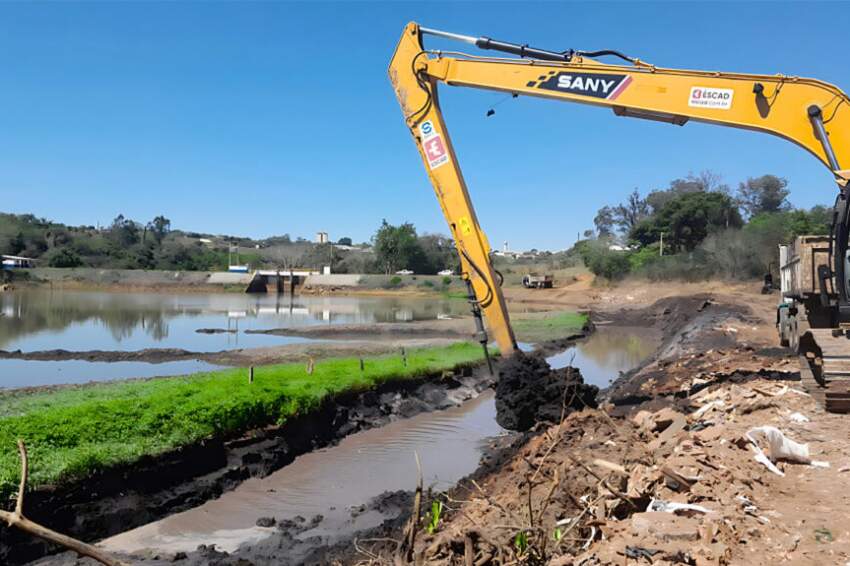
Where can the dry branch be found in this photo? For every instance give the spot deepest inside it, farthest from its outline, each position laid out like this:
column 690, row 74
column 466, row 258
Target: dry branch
column 404, row 554
column 17, row 520
column 616, row 492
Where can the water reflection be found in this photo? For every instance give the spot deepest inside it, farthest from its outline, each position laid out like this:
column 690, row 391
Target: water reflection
column 32, row 373
column 608, row 352
column 73, row 320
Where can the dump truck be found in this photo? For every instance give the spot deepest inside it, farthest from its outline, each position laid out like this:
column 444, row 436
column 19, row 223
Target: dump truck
column 535, row 281
column 806, row 321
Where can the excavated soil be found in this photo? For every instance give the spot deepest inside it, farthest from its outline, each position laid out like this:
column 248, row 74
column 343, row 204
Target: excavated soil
column 667, row 477
column 459, row 327
column 530, row 392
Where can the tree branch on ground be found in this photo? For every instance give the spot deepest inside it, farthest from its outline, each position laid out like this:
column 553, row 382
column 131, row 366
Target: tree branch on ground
column 17, row 520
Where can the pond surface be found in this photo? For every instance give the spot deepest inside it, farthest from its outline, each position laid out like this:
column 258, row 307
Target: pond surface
column 77, row 320
column 34, row 320
column 34, row 373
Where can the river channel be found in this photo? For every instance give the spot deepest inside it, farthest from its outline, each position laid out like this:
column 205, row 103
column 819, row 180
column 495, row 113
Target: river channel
column 333, row 482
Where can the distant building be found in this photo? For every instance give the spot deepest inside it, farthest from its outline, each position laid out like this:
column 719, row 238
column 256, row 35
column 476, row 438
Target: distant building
column 17, row 262
column 322, row 237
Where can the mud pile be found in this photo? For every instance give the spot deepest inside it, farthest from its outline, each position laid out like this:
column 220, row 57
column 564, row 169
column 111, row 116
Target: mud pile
column 661, row 487
column 530, row 392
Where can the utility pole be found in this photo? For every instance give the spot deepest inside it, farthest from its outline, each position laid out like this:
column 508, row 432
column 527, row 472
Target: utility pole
column 661, row 248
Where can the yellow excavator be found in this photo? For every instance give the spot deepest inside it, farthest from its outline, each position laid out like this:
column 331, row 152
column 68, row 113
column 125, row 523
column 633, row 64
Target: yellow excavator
column 813, row 114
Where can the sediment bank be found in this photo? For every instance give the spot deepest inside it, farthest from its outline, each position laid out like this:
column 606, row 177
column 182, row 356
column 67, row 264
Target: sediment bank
column 106, row 498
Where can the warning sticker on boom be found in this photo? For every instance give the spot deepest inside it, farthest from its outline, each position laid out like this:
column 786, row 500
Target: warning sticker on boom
column 432, row 143
column 716, row 98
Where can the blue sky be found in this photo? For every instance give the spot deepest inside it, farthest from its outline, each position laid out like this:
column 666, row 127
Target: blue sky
column 271, row 118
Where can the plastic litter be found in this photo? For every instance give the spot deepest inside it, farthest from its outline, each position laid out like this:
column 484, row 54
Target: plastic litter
column 589, row 540
column 673, row 507
column 750, row 508
column 781, row 448
column 702, row 410
column 700, row 425
column 798, row 418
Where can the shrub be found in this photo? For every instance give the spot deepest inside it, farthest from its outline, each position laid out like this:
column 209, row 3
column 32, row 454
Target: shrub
column 447, row 280
column 610, row 265
column 395, row 281
column 64, row 257
column 603, row 262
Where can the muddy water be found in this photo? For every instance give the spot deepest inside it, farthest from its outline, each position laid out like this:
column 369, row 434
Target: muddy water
column 332, row 482
column 33, row 320
column 607, row 352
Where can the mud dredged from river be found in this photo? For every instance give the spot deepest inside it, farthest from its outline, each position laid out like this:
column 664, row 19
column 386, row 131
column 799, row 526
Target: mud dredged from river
column 529, row 391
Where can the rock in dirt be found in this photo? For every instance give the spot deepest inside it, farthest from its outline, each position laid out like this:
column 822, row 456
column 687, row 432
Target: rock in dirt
column 665, row 527
column 266, row 522
column 529, row 391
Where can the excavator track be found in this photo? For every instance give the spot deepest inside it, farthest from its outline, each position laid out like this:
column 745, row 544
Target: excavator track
column 825, row 367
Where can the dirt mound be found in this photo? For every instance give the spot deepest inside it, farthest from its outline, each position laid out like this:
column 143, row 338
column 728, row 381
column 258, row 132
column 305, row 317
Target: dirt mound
column 529, row 392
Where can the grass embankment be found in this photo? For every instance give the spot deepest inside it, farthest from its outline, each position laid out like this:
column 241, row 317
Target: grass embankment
column 70, row 433
column 549, row 326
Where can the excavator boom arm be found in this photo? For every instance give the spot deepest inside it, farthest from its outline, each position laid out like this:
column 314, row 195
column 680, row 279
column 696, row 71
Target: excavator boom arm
column 810, row 113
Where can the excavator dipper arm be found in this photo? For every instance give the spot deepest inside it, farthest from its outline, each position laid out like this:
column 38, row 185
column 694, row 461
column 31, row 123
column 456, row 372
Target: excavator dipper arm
column 813, row 114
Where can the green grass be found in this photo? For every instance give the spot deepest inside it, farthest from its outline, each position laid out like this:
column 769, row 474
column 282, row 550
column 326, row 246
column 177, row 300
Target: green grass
column 550, row 327
column 455, row 294
column 72, row 432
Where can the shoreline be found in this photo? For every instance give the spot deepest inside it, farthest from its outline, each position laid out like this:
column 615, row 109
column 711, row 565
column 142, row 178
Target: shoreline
column 119, row 498
column 90, row 279
column 329, row 342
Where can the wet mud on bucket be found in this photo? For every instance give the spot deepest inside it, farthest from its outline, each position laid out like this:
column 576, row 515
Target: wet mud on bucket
column 529, row 391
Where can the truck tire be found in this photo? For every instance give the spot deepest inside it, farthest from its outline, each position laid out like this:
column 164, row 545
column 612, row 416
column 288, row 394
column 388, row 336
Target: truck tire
column 782, row 325
column 793, row 334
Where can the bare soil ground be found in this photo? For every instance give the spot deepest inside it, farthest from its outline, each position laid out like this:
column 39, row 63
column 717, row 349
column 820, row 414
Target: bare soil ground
column 664, row 472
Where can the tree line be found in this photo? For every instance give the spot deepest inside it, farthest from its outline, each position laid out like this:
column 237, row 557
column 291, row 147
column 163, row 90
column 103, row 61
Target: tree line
column 128, row 244
column 124, row 244
column 698, row 227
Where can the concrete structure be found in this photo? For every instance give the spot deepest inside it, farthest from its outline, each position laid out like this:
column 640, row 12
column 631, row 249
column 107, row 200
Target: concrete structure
column 322, row 237
column 334, row 280
column 225, row 278
column 277, row 281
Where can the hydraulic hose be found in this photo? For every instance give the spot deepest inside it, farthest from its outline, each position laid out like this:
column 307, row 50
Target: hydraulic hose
column 838, row 249
column 489, row 297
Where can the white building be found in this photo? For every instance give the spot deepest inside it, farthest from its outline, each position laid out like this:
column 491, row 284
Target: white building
column 14, row 261
column 322, row 237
